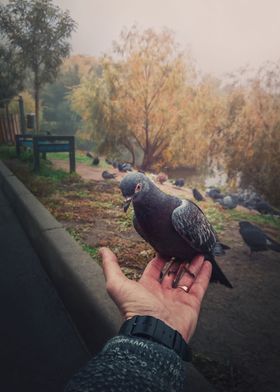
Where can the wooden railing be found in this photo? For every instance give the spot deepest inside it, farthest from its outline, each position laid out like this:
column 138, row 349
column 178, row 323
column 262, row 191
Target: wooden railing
column 9, row 128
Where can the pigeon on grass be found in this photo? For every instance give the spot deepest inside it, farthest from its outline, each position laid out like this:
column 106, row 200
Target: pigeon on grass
column 197, row 195
column 256, row 239
column 95, row 161
column 179, row 182
column 107, row 176
column 175, row 228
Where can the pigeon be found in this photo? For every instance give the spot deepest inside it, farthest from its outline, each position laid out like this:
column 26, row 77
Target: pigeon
column 106, row 175
column 109, row 161
column 175, row 228
column 95, row 161
column 161, row 178
column 124, row 167
column 228, row 202
column 215, row 193
column 179, row 182
column 256, row 239
column 197, row 195
column 265, row 208
column 89, row 154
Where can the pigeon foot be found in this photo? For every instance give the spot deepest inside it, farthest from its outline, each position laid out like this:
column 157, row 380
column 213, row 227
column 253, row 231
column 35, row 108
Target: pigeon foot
column 183, row 268
column 171, row 267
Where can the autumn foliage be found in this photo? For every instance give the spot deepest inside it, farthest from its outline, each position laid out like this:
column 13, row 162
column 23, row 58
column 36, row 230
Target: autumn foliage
column 146, row 100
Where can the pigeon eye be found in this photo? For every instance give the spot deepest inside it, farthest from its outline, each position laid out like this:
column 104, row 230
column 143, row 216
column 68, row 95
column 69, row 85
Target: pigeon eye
column 138, row 187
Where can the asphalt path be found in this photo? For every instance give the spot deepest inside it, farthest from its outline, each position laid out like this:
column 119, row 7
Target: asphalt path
column 39, row 346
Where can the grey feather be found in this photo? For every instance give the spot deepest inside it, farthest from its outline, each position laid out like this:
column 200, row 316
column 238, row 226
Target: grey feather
column 190, row 222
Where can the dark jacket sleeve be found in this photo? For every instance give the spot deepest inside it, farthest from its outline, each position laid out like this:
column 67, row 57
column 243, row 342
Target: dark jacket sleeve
column 130, row 364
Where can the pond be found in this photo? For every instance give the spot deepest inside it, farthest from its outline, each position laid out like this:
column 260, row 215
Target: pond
column 213, row 177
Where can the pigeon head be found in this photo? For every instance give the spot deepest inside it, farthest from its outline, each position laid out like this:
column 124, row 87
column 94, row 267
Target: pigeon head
column 133, row 186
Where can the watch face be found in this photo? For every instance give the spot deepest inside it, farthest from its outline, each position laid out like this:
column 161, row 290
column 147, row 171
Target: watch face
column 150, row 328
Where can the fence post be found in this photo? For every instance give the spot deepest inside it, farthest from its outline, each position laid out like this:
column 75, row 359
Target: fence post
column 36, row 154
column 21, row 115
column 72, row 154
column 2, row 139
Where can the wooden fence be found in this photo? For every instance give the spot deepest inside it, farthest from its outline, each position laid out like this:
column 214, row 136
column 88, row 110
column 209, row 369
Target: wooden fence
column 9, row 128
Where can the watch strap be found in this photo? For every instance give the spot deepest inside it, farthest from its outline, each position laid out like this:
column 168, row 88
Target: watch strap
column 156, row 330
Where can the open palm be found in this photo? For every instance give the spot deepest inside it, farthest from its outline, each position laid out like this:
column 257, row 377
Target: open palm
column 149, row 297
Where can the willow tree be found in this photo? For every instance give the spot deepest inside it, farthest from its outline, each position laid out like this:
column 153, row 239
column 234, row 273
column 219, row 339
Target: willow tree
column 136, row 101
column 39, row 32
column 149, row 82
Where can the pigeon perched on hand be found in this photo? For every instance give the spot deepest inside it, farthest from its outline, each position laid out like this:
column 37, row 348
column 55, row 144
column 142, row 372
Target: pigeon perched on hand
column 256, row 239
column 176, row 229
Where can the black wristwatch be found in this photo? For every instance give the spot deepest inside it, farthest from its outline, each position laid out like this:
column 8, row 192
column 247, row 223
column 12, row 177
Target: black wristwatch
column 156, row 330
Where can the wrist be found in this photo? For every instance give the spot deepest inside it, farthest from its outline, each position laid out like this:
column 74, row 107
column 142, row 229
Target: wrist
column 156, row 330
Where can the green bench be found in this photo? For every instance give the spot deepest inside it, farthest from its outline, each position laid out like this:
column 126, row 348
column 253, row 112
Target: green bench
column 45, row 144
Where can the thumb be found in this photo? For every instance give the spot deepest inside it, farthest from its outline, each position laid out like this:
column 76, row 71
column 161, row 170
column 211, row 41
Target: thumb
column 111, row 268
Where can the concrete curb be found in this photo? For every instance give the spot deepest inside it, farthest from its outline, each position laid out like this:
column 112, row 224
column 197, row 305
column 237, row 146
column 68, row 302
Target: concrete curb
column 76, row 277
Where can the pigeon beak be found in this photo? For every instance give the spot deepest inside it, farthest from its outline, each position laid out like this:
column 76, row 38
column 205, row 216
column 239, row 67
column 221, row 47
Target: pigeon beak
column 127, row 203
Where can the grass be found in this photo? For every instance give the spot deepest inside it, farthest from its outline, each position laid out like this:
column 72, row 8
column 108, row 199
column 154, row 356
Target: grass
column 43, row 184
column 125, row 220
column 254, row 218
column 7, row 152
column 92, row 251
column 80, row 158
column 216, row 217
column 64, row 156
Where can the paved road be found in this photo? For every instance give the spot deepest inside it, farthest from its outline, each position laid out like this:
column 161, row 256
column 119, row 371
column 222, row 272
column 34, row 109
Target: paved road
column 39, row 347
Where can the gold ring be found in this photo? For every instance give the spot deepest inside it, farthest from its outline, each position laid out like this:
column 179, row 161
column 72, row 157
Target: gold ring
column 184, row 288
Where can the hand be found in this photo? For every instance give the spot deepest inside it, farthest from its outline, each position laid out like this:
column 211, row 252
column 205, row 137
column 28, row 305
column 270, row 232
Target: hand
column 149, row 297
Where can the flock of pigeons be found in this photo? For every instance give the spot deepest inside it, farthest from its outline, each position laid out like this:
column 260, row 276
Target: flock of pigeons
column 249, row 199
column 184, row 229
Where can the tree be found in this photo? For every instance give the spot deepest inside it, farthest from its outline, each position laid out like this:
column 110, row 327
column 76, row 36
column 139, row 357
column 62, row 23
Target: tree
column 149, row 83
column 39, row 31
column 250, row 146
column 57, row 114
column 138, row 96
column 11, row 74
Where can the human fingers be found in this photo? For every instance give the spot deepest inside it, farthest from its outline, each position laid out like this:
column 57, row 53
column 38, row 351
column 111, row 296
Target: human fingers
column 111, row 268
column 153, row 269
column 200, row 285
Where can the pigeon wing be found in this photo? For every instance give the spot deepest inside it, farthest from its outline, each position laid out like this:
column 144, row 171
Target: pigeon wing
column 191, row 223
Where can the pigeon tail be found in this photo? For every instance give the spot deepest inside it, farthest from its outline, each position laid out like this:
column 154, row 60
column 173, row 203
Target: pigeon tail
column 275, row 246
column 217, row 274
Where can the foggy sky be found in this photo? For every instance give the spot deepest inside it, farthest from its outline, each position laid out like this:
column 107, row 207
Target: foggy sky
column 222, row 35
